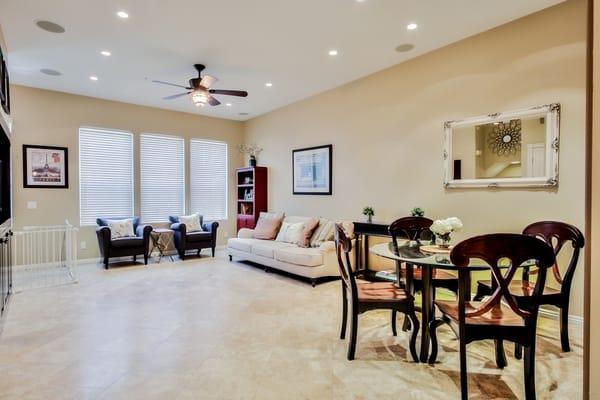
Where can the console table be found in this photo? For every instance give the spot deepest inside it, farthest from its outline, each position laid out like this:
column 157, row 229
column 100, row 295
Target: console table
column 362, row 231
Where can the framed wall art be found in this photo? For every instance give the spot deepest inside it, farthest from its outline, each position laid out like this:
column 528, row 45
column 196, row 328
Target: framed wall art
column 312, row 170
column 45, row 167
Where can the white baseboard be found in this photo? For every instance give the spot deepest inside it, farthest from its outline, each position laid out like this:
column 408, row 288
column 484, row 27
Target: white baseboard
column 553, row 314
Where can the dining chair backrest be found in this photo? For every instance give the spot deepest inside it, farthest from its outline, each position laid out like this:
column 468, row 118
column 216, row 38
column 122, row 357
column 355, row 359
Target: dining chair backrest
column 505, row 247
column 410, row 228
column 557, row 234
column 343, row 247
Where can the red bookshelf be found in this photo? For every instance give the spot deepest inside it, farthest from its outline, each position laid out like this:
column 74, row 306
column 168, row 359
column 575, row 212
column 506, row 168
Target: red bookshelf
column 251, row 195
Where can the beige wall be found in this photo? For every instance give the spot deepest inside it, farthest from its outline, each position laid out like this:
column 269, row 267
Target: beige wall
column 53, row 118
column 386, row 129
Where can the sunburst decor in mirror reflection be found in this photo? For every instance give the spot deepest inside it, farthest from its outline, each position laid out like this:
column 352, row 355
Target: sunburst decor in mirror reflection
column 505, row 138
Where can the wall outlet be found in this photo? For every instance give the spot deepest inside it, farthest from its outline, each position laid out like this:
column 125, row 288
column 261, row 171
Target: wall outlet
column 83, row 245
column 32, row 204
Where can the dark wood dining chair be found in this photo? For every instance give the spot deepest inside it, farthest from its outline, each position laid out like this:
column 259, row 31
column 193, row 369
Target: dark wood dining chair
column 414, row 228
column 367, row 296
column 555, row 234
column 499, row 317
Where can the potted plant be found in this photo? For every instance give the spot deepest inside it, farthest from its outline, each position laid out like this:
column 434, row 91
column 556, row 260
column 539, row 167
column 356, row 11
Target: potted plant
column 369, row 212
column 417, row 212
column 252, row 150
column 443, row 228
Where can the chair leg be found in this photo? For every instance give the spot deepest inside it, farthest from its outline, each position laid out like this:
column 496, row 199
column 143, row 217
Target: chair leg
column 500, row 356
column 344, row 313
column 230, row 258
column 564, row 328
column 518, row 351
column 353, row 332
column 433, row 325
column 529, row 371
column 406, row 324
column 145, row 259
column 481, row 292
column 413, row 336
column 134, row 259
column 198, row 254
column 213, row 252
column 464, row 384
column 394, row 331
column 105, row 262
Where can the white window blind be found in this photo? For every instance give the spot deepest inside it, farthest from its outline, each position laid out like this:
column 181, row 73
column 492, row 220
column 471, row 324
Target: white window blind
column 208, row 180
column 105, row 174
column 162, row 177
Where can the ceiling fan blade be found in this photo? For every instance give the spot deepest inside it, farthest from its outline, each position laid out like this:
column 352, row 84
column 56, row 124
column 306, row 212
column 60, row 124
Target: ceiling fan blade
column 239, row 93
column 207, row 81
column 175, row 96
column 172, row 84
column 212, row 101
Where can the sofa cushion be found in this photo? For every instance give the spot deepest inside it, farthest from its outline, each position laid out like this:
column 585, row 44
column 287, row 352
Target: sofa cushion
column 267, row 226
column 309, row 229
column 193, row 223
column 300, row 256
column 241, row 244
column 121, row 228
column 266, row 248
column 127, row 242
column 323, row 233
column 290, row 232
column 198, row 236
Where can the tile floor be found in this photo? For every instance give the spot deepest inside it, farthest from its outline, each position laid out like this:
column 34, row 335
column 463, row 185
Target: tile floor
column 210, row 329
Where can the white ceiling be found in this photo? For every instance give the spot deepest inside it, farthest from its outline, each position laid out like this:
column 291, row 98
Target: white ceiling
column 243, row 43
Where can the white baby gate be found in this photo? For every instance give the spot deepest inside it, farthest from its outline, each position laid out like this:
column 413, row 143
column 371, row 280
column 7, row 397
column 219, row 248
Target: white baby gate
column 44, row 256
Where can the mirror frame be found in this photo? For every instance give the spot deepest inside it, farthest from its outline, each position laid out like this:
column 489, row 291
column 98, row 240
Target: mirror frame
column 551, row 112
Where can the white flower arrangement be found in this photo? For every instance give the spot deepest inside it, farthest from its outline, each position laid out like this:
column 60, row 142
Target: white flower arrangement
column 442, row 228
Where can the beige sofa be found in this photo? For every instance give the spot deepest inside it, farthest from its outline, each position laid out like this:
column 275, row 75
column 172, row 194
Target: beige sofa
column 312, row 263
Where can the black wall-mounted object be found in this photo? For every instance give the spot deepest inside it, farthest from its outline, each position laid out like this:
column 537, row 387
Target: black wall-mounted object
column 457, row 170
column 4, row 85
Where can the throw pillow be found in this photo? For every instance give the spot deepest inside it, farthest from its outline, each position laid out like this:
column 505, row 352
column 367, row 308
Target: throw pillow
column 323, row 233
column 192, row 222
column 309, row 229
column 120, row 228
column 267, row 227
column 290, row 233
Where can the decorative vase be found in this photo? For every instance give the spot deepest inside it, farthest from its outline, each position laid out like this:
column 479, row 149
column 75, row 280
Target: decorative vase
column 252, row 161
column 443, row 241
column 369, row 219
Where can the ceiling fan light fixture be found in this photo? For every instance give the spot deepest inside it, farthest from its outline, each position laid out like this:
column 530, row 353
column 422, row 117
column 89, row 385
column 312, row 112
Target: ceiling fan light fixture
column 199, row 98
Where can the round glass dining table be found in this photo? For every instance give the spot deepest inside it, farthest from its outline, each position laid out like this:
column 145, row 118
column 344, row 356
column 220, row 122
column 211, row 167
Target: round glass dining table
column 414, row 253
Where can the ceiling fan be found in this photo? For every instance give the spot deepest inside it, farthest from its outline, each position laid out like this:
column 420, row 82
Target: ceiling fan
column 200, row 89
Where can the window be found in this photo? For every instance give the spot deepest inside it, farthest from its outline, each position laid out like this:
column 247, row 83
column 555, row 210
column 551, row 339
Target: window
column 208, row 181
column 162, row 177
column 105, row 174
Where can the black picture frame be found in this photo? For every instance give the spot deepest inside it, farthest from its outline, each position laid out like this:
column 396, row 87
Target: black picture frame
column 2, row 79
column 6, row 90
column 26, row 167
column 325, row 189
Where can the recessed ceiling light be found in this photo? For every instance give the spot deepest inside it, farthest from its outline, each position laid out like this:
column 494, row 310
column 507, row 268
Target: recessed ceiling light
column 333, row 52
column 360, row 1
column 122, row 14
column 228, row 104
column 49, row 26
column 412, row 26
column 268, row 84
column 93, row 78
column 51, row 72
column 105, row 53
column 403, row 48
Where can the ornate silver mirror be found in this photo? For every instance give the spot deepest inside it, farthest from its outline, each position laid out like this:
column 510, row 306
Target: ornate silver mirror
column 510, row 149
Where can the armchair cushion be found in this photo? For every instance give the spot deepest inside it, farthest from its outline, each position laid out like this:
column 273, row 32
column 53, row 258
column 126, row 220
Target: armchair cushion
column 174, row 219
column 104, row 221
column 192, row 222
column 127, row 242
column 198, row 236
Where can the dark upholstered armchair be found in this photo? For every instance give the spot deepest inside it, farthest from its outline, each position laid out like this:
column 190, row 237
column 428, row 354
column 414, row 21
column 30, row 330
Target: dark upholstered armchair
column 123, row 247
column 185, row 240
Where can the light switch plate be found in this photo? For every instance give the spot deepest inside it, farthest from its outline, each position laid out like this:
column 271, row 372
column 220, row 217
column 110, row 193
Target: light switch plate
column 31, row 204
